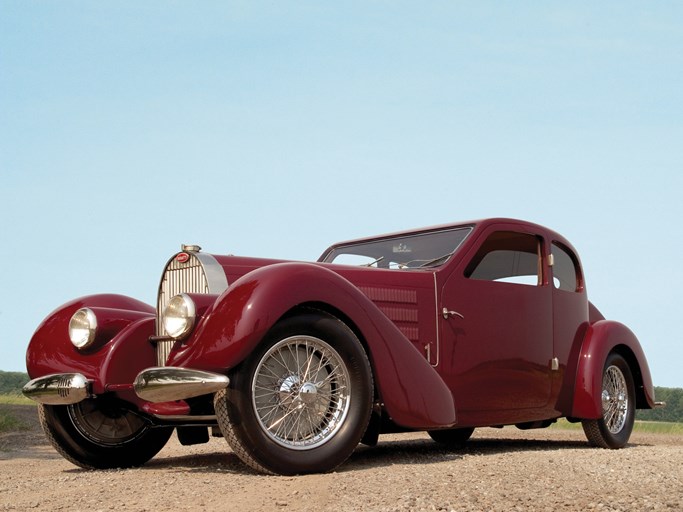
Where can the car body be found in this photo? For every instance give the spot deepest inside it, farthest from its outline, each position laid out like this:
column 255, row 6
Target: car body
column 441, row 329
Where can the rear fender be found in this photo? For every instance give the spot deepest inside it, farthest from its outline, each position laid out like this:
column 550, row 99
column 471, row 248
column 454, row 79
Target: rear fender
column 413, row 394
column 602, row 338
column 121, row 349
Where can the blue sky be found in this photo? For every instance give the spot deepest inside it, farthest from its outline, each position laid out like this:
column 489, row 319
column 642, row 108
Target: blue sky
column 275, row 129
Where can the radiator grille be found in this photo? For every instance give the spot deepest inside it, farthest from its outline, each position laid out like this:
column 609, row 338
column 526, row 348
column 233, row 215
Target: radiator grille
column 187, row 277
column 190, row 271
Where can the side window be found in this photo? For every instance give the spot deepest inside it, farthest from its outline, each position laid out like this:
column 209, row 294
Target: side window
column 507, row 257
column 565, row 275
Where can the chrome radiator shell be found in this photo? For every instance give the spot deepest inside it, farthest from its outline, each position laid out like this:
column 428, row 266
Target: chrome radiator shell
column 199, row 273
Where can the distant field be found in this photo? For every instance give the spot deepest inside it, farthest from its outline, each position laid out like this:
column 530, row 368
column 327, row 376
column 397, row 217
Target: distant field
column 7, row 420
column 647, row 427
column 15, row 399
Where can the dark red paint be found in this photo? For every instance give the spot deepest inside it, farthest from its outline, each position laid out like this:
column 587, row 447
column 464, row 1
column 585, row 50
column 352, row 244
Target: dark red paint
column 493, row 366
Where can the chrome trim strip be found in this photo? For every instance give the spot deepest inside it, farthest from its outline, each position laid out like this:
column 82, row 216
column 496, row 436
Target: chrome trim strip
column 189, row 420
column 215, row 275
column 168, row 383
column 58, row 389
column 438, row 324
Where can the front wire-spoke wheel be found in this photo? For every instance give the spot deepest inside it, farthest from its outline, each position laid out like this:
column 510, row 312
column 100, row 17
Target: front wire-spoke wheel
column 302, row 401
column 614, row 428
column 301, row 392
column 101, row 433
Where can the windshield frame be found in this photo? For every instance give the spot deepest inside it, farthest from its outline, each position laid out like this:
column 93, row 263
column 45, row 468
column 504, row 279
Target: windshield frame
column 381, row 251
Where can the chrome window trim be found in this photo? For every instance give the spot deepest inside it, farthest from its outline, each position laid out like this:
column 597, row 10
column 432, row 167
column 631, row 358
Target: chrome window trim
column 438, row 324
column 325, row 257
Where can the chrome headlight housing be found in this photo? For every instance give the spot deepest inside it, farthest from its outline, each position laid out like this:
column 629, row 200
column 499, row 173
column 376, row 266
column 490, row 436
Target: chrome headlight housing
column 83, row 328
column 179, row 316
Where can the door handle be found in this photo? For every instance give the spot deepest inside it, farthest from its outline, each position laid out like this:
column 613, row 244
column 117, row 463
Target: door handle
column 448, row 313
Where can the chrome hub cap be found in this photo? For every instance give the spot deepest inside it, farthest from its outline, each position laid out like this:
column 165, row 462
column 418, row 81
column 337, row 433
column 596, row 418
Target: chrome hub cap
column 614, row 399
column 300, row 392
column 308, row 393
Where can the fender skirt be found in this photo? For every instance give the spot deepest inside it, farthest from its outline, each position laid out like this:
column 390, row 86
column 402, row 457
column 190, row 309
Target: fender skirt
column 603, row 337
column 412, row 393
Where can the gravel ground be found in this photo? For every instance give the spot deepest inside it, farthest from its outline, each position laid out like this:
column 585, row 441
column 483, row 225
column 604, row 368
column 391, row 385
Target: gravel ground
column 499, row 470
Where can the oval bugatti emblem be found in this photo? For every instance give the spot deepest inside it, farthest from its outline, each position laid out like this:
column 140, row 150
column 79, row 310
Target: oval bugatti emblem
column 183, row 257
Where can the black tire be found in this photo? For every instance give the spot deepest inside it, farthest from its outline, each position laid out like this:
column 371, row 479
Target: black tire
column 302, row 401
column 101, row 433
column 614, row 428
column 452, row 437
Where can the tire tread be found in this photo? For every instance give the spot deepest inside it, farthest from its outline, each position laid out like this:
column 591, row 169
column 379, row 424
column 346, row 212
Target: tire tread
column 227, row 407
column 221, row 407
column 47, row 428
column 596, row 430
column 70, row 443
column 592, row 430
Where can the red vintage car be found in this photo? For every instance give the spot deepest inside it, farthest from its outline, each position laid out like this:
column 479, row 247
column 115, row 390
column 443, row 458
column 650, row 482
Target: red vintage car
column 442, row 329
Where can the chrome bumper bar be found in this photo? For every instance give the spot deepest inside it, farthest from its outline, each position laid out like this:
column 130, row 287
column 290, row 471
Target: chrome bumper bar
column 162, row 384
column 169, row 383
column 58, row 389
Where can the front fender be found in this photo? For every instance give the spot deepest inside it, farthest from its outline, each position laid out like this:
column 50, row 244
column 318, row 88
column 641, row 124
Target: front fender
column 115, row 359
column 414, row 395
column 603, row 337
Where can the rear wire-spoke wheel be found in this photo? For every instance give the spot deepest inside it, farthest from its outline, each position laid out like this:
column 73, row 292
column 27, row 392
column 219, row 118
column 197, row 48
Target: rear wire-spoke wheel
column 302, row 401
column 613, row 429
column 101, row 433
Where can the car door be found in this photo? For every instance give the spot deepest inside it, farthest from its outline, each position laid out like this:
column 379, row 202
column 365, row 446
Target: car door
column 496, row 327
column 570, row 320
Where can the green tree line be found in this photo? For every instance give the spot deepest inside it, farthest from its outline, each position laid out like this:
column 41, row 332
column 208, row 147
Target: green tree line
column 673, row 410
column 12, row 382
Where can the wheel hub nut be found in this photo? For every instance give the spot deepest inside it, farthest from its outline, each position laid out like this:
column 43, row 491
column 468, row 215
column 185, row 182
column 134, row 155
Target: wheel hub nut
column 308, row 392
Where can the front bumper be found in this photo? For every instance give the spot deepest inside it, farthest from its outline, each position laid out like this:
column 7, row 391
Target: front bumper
column 168, row 383
column 59, row 389
column 158, row 384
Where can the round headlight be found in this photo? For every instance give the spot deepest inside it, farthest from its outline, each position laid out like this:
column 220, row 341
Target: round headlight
column 178, row 316
column 82, row 328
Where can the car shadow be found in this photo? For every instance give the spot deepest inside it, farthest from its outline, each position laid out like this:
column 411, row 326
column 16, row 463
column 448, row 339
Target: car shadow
column 387, row 453
column 31, row 443
column 216, row 462
column 426, row 451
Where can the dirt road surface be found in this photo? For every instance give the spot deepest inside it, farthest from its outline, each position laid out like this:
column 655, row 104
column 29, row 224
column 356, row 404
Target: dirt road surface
column 499, row 470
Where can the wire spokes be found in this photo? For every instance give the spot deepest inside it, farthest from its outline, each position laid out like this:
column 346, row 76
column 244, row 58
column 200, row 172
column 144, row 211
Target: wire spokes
column 300, row 392
column 614, row 399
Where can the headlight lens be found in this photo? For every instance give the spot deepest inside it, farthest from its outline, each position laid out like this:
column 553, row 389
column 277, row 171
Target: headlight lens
column 82, row 328
column 178, row 316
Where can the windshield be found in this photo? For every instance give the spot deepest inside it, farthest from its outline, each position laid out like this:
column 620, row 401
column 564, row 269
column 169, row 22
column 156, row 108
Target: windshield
column 422, row 250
